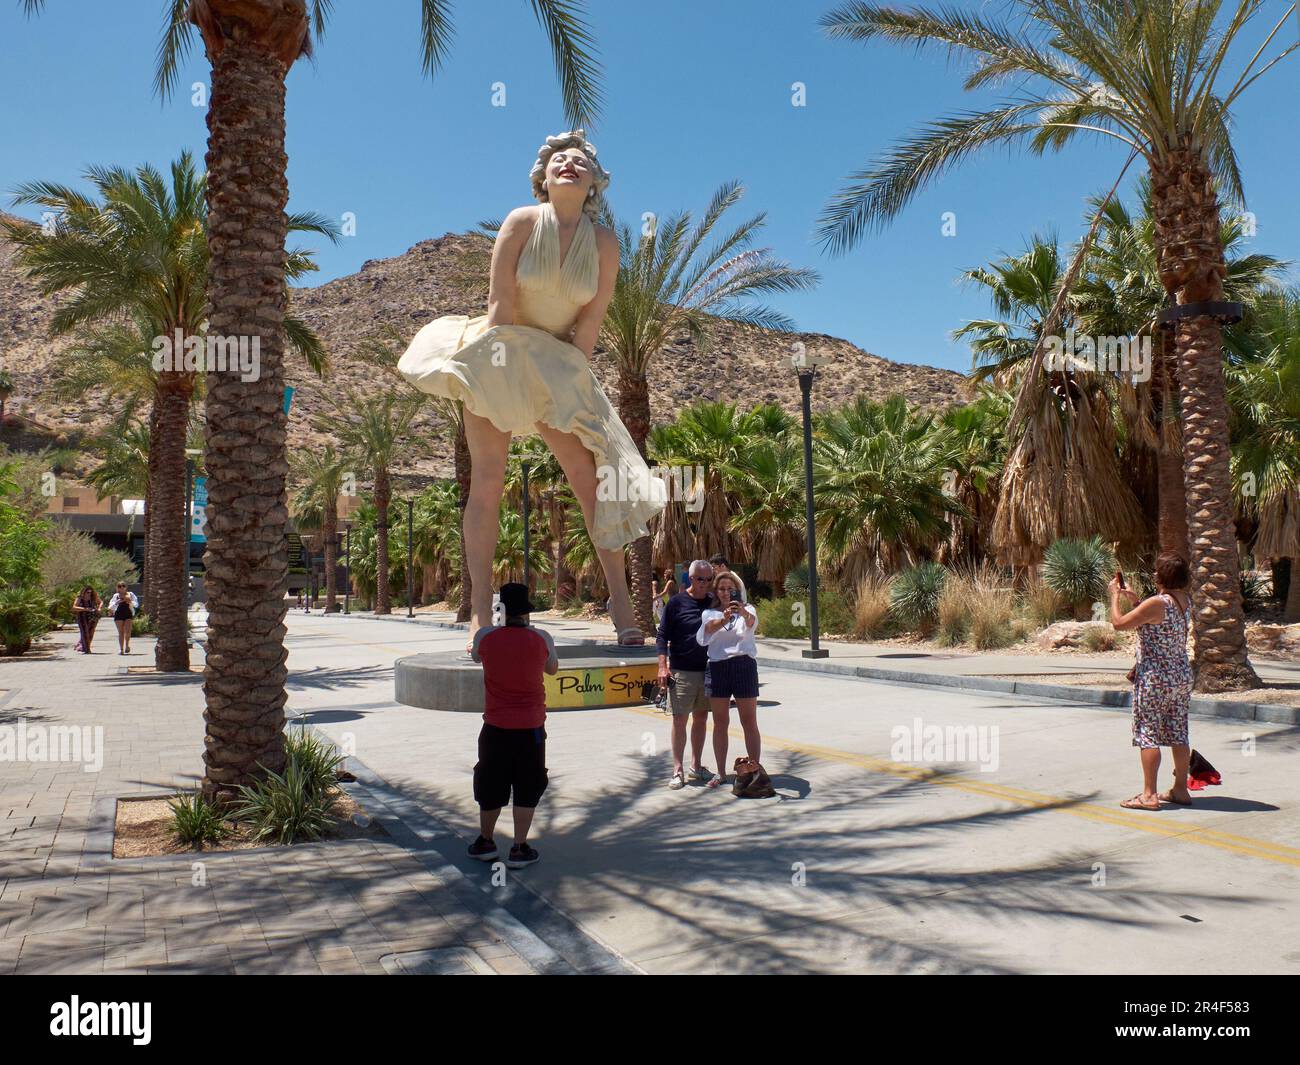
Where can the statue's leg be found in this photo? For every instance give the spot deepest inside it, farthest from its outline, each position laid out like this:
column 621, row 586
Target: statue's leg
column 579, row 468
column 488, row 448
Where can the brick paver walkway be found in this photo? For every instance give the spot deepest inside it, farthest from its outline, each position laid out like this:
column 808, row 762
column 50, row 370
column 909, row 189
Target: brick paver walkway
column 333, row 907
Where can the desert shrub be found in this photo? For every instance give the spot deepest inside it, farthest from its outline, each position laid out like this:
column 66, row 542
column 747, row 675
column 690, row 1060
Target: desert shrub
column 1041, row 603
column 953, row 611
column 914, row 596
column 1078, row 571
column 195, row 821
column 790, row 617
column 871, row 608
column 283, row 808
column 24, row 615
column 144, row 625
column 796, row 582
column 993, row 618
column 1099, row 638
column 1256, row 590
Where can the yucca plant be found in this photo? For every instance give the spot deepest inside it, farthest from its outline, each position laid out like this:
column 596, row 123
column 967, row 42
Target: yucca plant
column 317, row 760
column 1078, row 571
column 914, row 597
column 195, row 821
column 285, row 808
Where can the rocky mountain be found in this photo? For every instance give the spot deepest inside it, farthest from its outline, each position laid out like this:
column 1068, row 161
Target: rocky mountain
column 447, row 275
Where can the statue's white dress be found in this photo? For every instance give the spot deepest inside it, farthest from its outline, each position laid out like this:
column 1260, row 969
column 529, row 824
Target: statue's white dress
column 518, row 375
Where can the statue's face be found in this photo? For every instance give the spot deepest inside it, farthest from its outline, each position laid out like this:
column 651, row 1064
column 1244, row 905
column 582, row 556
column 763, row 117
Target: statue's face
column 569, row 167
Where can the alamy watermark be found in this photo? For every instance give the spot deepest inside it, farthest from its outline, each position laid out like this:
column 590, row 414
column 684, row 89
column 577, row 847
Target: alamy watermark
column 1082, row 352
column 208, row 352
column 619, row 484
column 53, row 743
column 920, row 742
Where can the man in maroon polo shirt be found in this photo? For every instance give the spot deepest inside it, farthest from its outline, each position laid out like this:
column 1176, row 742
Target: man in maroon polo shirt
column 512, row 743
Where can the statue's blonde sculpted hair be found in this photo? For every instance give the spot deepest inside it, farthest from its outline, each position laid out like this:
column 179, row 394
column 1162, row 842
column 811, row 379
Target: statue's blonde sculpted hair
column 575, row 138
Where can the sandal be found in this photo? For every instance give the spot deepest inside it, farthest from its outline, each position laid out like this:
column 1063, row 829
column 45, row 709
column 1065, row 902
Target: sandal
column 1136, row 803
column 716, row 781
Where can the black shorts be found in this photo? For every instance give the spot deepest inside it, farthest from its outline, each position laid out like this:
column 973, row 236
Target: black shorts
column 730, row 677
column 510, row 760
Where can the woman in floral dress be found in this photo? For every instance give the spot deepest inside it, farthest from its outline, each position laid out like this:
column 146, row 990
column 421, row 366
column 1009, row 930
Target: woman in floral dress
column 1162, row 683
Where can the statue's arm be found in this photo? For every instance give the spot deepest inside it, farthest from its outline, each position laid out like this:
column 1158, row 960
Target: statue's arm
column 511, row 238
column 587, row 328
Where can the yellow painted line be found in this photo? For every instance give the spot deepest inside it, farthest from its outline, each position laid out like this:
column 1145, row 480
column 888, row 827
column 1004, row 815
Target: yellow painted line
column 1209, row 837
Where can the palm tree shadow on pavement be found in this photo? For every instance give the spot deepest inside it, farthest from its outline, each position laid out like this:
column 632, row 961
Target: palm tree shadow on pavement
column 723, row 884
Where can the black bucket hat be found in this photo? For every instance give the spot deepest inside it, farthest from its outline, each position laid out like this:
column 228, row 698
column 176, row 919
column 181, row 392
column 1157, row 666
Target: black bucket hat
column 514, row 600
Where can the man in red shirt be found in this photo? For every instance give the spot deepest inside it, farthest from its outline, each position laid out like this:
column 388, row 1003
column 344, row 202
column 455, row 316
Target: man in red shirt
column 512, row 743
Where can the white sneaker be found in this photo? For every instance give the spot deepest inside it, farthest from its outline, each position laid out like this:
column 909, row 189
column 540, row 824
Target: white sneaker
column 677, row 783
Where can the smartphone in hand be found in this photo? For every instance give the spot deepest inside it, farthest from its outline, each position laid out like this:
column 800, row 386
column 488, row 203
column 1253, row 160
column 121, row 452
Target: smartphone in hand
column 1119, row 576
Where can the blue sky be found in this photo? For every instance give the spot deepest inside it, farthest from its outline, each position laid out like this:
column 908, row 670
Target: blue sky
column 697, row 92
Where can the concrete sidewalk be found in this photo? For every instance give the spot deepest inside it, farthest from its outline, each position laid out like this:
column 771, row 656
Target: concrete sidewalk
column 390, row 904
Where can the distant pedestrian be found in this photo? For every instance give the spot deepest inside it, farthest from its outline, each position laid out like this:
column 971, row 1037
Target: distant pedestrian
column 512, row 742
column 662, row 593
column 720, row 566
column 1162, row 680
column 86, row 609
column 122, row 609
column 727, row 631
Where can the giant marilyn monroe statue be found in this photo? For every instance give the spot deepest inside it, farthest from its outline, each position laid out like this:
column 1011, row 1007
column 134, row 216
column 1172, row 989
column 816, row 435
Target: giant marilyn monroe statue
column 524, row 368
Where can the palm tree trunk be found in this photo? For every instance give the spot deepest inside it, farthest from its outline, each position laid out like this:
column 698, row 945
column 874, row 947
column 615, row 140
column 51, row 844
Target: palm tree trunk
column 1291, row 612
column 463, row 474
column 170, row 530
column 1190, row 252
column 149, row 597
column 382, row 497
column 250, row 47
column 1171, row 490
column 634, row 410
column 330, row 530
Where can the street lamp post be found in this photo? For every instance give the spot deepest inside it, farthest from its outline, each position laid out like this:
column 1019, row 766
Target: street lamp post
column 806, row 368
column 526, row 545
column 347, row 566
column 410, row 556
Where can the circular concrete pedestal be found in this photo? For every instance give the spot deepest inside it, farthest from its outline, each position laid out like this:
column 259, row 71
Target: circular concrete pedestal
column 590, row 676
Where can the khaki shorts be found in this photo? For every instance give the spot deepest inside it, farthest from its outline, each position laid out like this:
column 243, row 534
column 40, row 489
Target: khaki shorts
column 686, row 694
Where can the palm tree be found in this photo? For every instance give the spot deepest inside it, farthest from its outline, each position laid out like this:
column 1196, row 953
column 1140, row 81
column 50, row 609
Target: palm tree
column 1145, row 73
column 437, row 538
column 6, row 390
column 131, row 265
column 769, row 520
column 1063, row 476
column 370, row 435
column 1264, row 387
column 879, row 484
column 669, row 283
column 321, row 473
column 977, row 440
column 545, row 483
column 1120, row 294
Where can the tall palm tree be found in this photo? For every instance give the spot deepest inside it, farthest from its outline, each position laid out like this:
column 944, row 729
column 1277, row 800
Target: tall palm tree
column 670, row 283
column 1147, row 73
column 370, row 434
column 320, row 473
column 977, row 438
column 1120, row 294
